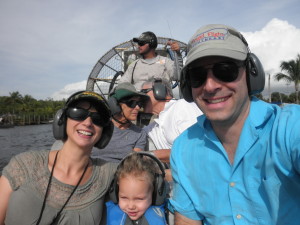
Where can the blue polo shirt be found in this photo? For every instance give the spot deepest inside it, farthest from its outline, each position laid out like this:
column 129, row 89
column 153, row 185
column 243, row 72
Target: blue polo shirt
column 263, row 184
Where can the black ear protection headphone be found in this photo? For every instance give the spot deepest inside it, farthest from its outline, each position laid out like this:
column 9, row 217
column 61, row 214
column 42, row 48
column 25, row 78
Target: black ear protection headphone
column 113, row 103
column 59, row 126
column 160, row 91
column 254, row 70
column 160, row 188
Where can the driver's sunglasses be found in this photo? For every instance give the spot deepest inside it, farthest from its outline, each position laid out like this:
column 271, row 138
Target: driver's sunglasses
column 223, row 71
column 133, row 103
column 142, row 43
column 80, row 114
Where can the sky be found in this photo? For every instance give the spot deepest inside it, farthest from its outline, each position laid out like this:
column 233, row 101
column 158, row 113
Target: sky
column 49, row 48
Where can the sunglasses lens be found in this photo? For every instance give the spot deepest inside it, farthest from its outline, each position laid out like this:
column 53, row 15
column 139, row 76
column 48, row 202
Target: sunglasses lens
column 81, row 114
column 223, row 71
column 77, row 113
column 226, row 72
column 141, row 43
column 134, row 103
column 97, row 119
column 197, row 76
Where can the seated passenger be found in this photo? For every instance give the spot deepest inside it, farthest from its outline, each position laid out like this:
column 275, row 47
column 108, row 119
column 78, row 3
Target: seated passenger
column 125, row 103
column 172, row 117
column 138, row 192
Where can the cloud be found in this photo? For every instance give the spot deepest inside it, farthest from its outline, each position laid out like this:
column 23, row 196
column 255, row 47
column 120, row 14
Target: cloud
column 68, row 90
column 276, row 42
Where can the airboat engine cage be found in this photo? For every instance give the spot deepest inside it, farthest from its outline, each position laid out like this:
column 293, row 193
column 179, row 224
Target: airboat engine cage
column 112, row 64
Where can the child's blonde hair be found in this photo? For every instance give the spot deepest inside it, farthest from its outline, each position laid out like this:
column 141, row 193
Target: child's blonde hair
column 140, row 166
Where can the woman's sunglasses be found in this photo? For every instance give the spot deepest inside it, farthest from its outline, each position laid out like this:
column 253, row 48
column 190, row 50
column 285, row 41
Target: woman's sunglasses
column 133, row 103
column 223, row 71
column 80, row 114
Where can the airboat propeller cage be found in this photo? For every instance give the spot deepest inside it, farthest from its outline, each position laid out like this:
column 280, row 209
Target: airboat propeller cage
column 112, row 64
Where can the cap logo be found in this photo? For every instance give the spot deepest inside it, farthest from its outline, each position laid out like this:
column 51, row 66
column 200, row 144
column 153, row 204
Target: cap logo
column 209, row 35
column 89, row 93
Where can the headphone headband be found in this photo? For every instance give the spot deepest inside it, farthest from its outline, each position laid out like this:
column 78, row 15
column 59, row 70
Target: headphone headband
column 158, row 162
column 160, row 187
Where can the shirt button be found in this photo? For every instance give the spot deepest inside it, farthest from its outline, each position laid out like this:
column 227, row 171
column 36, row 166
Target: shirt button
column 239, row 216
column 232, row 184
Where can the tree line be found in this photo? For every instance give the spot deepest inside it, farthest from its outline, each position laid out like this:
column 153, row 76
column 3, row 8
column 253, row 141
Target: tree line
column 280, row 98
column 22, row 110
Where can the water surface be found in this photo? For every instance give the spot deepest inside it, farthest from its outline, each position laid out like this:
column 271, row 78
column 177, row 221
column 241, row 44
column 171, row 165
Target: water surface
column 23, row 138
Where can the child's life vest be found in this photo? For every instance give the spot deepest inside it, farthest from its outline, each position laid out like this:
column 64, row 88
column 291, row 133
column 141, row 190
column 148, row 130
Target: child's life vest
column 154, row 215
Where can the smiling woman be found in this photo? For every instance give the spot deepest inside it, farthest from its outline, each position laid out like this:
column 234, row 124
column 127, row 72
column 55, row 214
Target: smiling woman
column 76, row 193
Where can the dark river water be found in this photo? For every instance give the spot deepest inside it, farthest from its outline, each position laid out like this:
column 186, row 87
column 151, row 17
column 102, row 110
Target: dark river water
column 23, row 138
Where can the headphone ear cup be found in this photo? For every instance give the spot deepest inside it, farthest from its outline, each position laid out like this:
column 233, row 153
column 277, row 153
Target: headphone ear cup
column 106, row 136
column 159, row 90
column 160, row 190
column 255, row 74
column 59, row 125
column 154, row 43
column 185, row 86
column 114, row 105
column 151, row 43
column 113, row 191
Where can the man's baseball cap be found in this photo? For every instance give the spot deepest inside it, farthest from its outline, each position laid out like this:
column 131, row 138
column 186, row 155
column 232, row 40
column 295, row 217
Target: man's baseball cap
column 147, row 37
column 217, row 40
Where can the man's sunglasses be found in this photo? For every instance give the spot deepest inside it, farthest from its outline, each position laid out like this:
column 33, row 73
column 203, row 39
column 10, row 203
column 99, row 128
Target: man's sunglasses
column 142, row 43
column 133, row 103
column 223, row 71
column 80, row 114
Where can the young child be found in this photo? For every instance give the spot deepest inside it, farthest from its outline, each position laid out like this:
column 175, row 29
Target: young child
column 138, row 192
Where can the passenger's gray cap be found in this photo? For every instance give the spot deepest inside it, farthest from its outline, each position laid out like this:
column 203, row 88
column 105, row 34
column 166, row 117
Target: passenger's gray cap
column 216, row 40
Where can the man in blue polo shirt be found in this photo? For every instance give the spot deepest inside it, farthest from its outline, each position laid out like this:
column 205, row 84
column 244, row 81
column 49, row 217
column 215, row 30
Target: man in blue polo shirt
column 240, row 163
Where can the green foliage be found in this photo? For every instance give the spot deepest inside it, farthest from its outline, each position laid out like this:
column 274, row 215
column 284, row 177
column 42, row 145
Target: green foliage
column 292, row 73
column 26, row 106
column 280, row 98
column 261, row 97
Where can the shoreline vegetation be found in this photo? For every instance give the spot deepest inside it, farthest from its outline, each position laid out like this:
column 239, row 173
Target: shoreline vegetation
column 18, row 110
